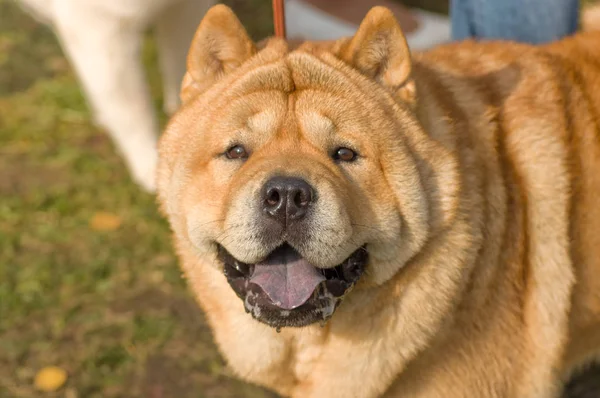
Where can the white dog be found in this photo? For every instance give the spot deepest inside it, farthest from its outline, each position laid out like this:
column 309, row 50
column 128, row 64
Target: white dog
column 103, row 40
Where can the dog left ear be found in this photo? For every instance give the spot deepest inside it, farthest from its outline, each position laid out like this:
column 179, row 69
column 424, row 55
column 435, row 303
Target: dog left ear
column 220, row 45
column 379, row 50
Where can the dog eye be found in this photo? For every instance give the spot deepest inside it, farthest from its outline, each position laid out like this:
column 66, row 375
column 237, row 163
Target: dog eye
column 344, row 155
column 236, row 152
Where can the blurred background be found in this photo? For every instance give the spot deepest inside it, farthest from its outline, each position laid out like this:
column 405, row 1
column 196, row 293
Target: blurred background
column 92, row 302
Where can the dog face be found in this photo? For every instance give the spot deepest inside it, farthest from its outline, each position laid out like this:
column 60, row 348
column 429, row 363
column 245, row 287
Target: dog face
column 289, row 170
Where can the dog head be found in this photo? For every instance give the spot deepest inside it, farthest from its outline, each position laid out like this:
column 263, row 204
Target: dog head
column 290, row 170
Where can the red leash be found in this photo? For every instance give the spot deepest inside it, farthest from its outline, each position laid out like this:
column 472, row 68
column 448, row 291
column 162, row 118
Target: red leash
column 279, row 18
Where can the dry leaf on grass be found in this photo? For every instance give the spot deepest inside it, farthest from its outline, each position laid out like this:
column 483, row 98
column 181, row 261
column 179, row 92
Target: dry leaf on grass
column 50, row 378
column 103, row 221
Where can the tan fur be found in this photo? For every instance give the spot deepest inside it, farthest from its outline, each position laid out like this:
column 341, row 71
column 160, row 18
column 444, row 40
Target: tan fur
column 590, row 17
column 476, row 196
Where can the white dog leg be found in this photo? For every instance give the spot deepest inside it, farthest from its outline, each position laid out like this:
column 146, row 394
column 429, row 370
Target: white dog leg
column 175, row 29
column 105, row 51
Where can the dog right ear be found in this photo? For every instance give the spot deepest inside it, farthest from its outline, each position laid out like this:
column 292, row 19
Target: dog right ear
column 379, row 51
column 220, row 45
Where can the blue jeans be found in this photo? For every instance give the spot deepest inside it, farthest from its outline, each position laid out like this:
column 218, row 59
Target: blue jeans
column 529, row 21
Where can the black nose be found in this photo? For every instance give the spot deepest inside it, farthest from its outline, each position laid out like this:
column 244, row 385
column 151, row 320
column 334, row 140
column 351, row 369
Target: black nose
column 287, row 198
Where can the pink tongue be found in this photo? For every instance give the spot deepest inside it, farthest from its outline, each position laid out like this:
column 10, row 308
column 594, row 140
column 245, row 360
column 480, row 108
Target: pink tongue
column 288, row 283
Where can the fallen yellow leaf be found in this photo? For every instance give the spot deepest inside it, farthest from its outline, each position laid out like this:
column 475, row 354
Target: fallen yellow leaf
column 103, row 221
column 50, row 378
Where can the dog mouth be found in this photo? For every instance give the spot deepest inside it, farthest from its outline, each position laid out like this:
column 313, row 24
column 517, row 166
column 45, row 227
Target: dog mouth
column 286, row 290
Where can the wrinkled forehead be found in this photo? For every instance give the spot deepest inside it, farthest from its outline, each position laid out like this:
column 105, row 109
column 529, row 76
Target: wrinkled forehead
column 318, row 93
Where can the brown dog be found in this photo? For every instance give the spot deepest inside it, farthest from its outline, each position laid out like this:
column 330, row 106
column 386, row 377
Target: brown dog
column 358, row 222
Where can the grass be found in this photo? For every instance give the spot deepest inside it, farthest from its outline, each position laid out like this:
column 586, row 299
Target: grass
column 109, row 307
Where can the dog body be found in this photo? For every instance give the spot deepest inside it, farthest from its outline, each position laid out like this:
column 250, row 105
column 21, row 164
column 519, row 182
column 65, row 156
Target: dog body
column 467, row 174
column 103, row 41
